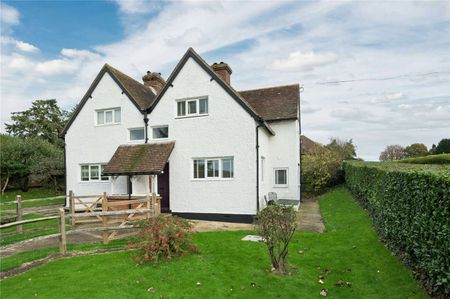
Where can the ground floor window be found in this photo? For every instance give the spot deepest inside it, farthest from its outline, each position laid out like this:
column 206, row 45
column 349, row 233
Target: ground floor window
column 214, row 168
column 281, row 177
column 92, row 172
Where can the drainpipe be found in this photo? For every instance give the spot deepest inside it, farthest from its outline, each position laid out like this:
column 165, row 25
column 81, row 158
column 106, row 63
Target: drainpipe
column 63, row 137
column 257, row 167
column 146, row 126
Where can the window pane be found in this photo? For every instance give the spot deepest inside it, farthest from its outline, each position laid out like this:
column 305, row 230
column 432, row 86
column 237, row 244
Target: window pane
column 104, row 177
column 227, row 168
column 85, row 173
column 203, row 106
column 192, row 107
column 199, row 169
column 100, row 118
column 181, row 108
column 137, row 134
column 117, row 117
column 281, row 177
column 160, row 132
column 108, row 117
column 94, row 172
column 213, row 168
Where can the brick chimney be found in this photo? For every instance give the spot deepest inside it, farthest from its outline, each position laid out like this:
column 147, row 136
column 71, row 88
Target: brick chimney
column 223, row 70
column 154, row 81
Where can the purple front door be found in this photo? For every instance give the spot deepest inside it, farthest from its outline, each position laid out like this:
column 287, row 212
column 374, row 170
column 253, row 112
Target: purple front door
column 163, row 189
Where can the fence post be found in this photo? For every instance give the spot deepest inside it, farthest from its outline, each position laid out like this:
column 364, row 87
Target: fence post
column 104, row 218
column 19, row 228
column 72, row 207
column 149, row 206
column 62, row 230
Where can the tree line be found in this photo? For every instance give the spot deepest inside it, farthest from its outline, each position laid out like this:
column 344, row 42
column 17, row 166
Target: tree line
column 398, row 152
column 32, row 147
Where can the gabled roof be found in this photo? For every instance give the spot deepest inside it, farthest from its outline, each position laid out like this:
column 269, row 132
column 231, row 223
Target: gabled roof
column 140, row 95
column 146, row 158
column 274, row 103
column 310, row 146
column 190, row 53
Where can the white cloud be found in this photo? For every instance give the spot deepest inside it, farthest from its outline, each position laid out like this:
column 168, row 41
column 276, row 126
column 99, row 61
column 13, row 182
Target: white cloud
column 303, row 61
column 8, row 15
column 137, row 6
column 26, row 47
column 405, row 106
column 389, row 97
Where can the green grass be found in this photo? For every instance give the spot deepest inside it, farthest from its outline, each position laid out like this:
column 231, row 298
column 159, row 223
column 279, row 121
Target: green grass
column 32, row 193
column 30, row 230
column 432, row 159
column 230, row 268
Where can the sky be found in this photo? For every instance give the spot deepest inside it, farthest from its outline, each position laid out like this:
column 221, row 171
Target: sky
column 376, row 72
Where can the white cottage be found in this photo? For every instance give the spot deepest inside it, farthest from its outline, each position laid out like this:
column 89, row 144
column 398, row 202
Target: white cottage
column 211, row 152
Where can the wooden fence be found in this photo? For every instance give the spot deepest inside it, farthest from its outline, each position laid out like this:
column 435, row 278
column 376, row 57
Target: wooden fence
column 99, row 209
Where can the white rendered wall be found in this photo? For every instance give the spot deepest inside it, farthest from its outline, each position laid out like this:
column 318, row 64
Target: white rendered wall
column 281, row 151
column 87, row 143
column 228, row 130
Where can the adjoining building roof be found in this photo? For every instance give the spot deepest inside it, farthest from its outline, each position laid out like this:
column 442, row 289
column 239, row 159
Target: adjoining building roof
column 274, row 103
column 139, row 94
column 136, row 159
column 310, row 146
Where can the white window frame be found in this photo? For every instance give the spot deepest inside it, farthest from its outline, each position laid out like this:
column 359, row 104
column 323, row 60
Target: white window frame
column 220, row 177
column 104, row 111
column 162, row 126
column 135, row 140
column 275, row 177
column 99, row 180
column 197, row 106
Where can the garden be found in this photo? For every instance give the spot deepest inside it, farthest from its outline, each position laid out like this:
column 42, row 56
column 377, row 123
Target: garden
column 348, row 261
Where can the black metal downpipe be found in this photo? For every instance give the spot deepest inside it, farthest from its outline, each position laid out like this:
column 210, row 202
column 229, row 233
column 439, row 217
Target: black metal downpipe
column 146, row 126
column 257, row 167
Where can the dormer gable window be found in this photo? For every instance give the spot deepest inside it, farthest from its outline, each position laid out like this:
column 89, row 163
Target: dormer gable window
column 108, row 116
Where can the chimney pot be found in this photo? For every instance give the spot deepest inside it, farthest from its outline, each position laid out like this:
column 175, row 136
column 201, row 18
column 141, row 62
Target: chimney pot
column 154, row 81
column 223, row 70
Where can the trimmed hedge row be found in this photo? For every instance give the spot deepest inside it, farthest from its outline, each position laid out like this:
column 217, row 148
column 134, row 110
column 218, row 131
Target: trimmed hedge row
column 410, row 209
column 432, row 159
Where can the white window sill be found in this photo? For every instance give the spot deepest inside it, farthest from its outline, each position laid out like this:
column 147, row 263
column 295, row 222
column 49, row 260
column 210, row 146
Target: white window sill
column 191, row 116
column 212, row 179
column 136, row 141
column 91, row 182
column 107, row 125
column 281, row 186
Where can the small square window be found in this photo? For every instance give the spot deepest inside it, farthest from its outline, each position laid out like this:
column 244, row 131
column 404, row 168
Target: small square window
column 108, row 117
column 160, row 132
column 281, row 178
column 192, row 107
column 213, row 168
column 137, row 134
column 199, row 169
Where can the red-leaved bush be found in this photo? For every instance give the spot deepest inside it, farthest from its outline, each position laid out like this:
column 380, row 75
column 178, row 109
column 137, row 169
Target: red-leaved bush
column 163, row 237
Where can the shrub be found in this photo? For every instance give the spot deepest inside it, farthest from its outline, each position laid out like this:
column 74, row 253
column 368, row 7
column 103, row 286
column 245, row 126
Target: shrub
column 319, row 170
column 276, row 224
column 163, row 237
column 409, row 205
column 433, row 159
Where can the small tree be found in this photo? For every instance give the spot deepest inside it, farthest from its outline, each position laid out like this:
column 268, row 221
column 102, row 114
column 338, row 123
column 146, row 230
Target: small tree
column 392, row 152
column 443, row 147
column 416, row 150
column 276, row 224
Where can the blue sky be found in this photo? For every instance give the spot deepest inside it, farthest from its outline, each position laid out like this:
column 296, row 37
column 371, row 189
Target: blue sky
column 376, row 72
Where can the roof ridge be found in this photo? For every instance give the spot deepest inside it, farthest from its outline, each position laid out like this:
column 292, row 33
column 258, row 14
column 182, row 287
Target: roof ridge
column 122, row 73
column 271, row 87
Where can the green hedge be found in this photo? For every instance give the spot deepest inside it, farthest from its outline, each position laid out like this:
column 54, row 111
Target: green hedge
column 410, row 208
column 432, row 159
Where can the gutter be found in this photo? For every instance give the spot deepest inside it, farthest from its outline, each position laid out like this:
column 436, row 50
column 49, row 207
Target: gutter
column 63, row 137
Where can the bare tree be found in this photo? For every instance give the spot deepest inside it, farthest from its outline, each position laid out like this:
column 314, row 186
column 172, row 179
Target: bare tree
column 393, row 152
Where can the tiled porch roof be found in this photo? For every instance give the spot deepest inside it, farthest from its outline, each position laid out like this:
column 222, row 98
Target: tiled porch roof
column 147, row 158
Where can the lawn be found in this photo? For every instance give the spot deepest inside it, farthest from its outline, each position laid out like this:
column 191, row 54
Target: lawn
column 32, row 193
column 228, row 267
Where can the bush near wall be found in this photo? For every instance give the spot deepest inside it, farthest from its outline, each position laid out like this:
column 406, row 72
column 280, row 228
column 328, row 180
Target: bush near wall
column 432, row 159
column 410, row 208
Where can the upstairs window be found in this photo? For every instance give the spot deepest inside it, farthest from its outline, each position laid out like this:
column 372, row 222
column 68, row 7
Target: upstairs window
column 281, row 177
column 137, row 134
column 108, row 116
column 160, row 132
column 214, row 168
column 192, row 107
